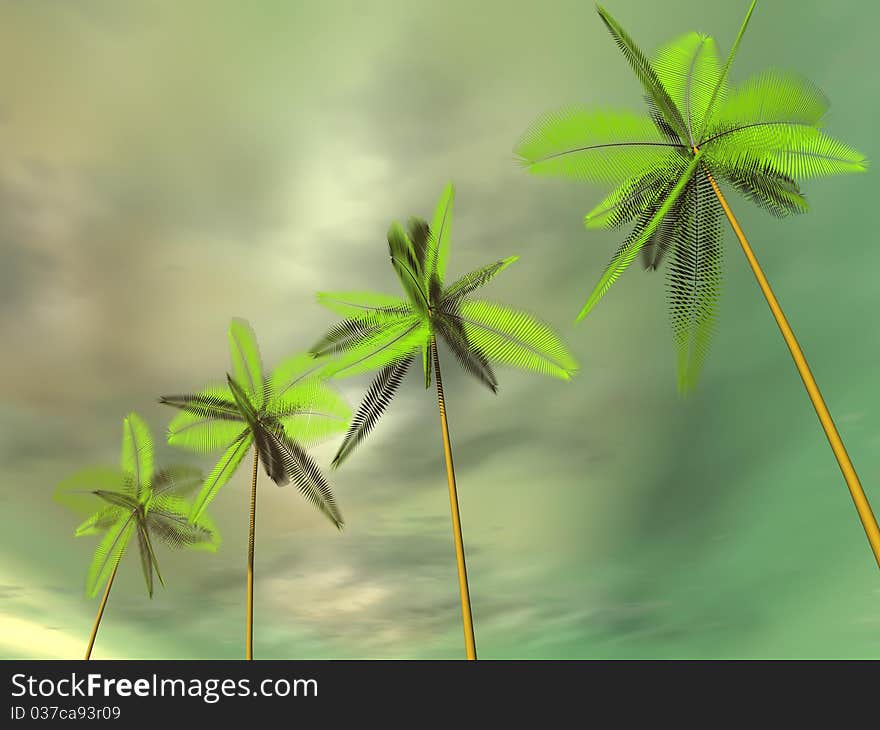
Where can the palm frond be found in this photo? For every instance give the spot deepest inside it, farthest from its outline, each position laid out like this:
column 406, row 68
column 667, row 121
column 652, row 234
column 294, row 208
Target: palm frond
column 792, row 151
column 222, row 472
column 311, row 411
column 407, row 266
column 214, row 402
column 437, row 248
column 101, row 520
column 599, row 146
column 137, row 452
column 357, row 303
column 378, row 397
column 77, row 492
column 657, row 95
column 419, row 234
column 469, row 283
column 290, row 375
column 348, row 334
column 394, row 343
column 247, row 368
column 778, row 195
column 513, row 337
column 275, row 456
column 146, row 555
column 178, row 479
column 312, row 484
column 630, row 248
column 118, row 499
column 201, row 434
column 664, row 236
column 243, row 400
column 689, row 70
column 769, row 98
column 694, row 278
column 175, row 530
column 720, row 91
column 108, row 553
column 471, row 359
column 635, row 196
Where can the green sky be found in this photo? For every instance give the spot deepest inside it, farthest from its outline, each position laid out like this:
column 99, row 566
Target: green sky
column 166, row 166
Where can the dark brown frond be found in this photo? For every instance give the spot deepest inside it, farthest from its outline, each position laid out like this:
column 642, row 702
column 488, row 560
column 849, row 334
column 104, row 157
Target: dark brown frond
column 472, row 360
column 208, row 406
column 312, row 484
column 378, row 398
column 347, row 334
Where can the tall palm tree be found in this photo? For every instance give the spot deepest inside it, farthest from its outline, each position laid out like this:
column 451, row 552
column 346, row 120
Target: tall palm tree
column 759, row 136
column 133, row 501
column 279, row 414
column 387, row 333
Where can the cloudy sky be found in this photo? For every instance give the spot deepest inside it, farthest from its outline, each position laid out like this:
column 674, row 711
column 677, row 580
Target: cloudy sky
column 166, row 166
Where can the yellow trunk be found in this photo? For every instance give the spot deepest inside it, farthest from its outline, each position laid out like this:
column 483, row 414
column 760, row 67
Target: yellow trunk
column 467, row 619
column 101, row 612
column 849, row 473
column 249, row 640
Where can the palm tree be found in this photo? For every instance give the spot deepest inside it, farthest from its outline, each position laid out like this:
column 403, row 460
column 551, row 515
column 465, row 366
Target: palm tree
column 387, row 333
column 134, row 500
column 279, row 414
column 759, row 136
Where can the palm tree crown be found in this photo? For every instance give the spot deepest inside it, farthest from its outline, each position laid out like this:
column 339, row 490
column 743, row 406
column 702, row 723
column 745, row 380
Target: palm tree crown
column 760, row 136
column 279, row 413
column 137, row 501
column 388, row 332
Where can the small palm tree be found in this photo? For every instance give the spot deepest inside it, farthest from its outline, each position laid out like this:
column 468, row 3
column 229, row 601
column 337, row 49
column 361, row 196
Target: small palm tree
column 760, row 137
column 134, row 501
column 387, row 333
column 278, row 414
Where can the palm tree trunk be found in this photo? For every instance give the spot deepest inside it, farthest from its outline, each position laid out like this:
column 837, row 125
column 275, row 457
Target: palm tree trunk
column 467, row 620
column 249, row 640
column 849, row 473
column 101, row 611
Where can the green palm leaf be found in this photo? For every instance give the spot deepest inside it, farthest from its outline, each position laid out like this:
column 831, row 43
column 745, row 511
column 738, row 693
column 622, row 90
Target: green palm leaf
column 768, row 98
column 393, row 343
column 222, row 472
column 694, row 279
column 101, row 520
column 109, row 552
column 788, row 150
column 658, row 97
column 719, row 93
column 247, row 368
column 137, row 452
column 437, row 250
column 311, row 412
column 593, row 145
column 690, row 71
column 77, row 492
column 512, row 337
column 476, row 279
column 209, row 420
column 358, row 303
column 407, row 266
column 634, row 196
column 626, row 253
